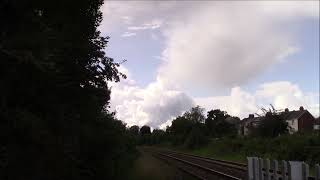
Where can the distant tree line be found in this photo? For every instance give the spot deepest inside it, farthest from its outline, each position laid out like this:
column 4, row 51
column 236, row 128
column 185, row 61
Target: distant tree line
column 193, row 129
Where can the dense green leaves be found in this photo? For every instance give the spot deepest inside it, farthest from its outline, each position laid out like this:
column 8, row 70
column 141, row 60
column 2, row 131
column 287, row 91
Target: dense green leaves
column 272, row 126
column 145, row 130
column 217, row 124
column 296, row 147
column 54, row 92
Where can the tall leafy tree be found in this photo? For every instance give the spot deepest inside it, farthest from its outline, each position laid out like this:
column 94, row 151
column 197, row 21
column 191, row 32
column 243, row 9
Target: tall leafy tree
column 134, row 130
column 217, row 125
column 54, row 92
column 196, row 114
column 144, row 130
column 188, row 128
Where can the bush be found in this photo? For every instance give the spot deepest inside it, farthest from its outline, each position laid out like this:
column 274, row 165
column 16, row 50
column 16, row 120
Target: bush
column 299, row 147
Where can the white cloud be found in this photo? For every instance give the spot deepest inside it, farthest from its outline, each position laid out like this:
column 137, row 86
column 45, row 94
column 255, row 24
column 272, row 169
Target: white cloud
column 214, row 44
column 152, row 105
column 284, row 94
column 127, row 19
column 214, row 48
column 128, row 34
column 285, row 9
column 281, row 95
column 154, row 24
column 238, row 103
column 119, row 14
column 209, row 44
column 156, row 105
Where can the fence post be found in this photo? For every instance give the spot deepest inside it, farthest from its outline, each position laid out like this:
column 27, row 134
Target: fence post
column 284, row 170
column 261, row 166
column 305, row 171
column 253, row 168
column 267, row 169
column 275, row 168
column 299, row 170
column 317, row 169
column 256, row 168
column 250, row 168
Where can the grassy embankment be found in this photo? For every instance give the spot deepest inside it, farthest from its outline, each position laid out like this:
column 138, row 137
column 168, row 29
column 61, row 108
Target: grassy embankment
column 290, row 147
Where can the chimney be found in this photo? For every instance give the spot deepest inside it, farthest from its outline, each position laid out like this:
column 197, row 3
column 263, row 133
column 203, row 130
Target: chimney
column 251, row 116
column 286, row 110
column 301, row 108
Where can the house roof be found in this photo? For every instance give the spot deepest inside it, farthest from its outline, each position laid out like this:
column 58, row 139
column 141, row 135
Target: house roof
column 292, row 114
column 285, row 115
column 248, row 120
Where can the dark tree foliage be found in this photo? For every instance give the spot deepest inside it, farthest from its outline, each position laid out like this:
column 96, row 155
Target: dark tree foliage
column 134, row 130
column 217, row 125
column 195, row 115
column 54, row 93
column 145, row 135
column 181, row 125
column 189, row 129
column 196, row 137
column 144, row 130
column 272, row 125
column 158, row 136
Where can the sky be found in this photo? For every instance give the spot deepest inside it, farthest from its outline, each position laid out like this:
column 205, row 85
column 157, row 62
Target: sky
column 237, row 56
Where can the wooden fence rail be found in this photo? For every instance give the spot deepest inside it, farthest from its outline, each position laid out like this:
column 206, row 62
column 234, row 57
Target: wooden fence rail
column 265, row 169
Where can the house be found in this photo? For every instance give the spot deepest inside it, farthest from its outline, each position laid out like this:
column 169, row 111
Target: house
column 247, row 124
column 299, row 120
column 317, row 124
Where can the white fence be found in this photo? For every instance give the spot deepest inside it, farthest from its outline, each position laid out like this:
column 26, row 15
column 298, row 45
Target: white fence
column 265, row 169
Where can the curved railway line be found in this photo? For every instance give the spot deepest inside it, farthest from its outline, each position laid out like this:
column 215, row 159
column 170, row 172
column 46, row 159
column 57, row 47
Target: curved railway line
column 202, row 167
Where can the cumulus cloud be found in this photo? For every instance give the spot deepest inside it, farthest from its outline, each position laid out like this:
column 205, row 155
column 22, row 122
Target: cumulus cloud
column 209, row 45
column 238, row 103
column 156, row 105
column 153, row 105
column 281, row 94
column 215, row 48
column 214, row 44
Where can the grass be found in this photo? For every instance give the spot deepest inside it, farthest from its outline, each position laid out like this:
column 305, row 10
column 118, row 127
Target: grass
column 147, row 167
column 297, row 147
column 207, row 151
column 235, row 157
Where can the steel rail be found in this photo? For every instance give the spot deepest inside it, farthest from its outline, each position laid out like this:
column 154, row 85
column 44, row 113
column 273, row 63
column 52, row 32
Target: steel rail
column 239, row 166
column 208, row 158
column 213, row 172
column 184, row 170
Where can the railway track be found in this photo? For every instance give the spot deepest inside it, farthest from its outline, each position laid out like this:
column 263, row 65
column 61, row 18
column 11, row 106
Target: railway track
column 203, row 168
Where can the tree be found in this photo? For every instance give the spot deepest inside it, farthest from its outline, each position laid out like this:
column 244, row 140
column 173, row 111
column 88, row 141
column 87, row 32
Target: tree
column 188, row 129
column 272, row 125
column 134, row 130
column 195, row 115
column 54, row 91
column 145, row 130
column 158, row 136
column 217, row 125
column 181, row 126
column 196, row 137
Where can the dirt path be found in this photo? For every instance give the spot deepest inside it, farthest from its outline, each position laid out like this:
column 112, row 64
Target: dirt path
column 148, row 167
